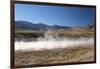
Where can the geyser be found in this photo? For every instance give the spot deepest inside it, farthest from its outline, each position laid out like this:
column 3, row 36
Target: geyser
column 51, row 41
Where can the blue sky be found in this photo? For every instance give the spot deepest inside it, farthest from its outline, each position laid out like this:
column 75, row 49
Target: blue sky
column 54, row 15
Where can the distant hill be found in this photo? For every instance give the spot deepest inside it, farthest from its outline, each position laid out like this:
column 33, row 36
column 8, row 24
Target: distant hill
column 91, row 26
column 39, row 26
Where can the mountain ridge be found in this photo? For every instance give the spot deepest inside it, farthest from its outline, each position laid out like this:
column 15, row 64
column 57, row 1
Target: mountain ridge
column 39, row 26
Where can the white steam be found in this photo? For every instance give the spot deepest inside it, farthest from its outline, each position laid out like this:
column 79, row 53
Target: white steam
column 52, row 41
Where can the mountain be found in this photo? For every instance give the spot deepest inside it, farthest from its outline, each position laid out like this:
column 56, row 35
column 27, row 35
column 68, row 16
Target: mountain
column 91, row 26
column 24, row 25
column 60, row 27
column 39, row 26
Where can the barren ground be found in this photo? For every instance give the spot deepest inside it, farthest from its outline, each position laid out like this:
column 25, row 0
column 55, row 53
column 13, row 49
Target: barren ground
column 54, row 56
